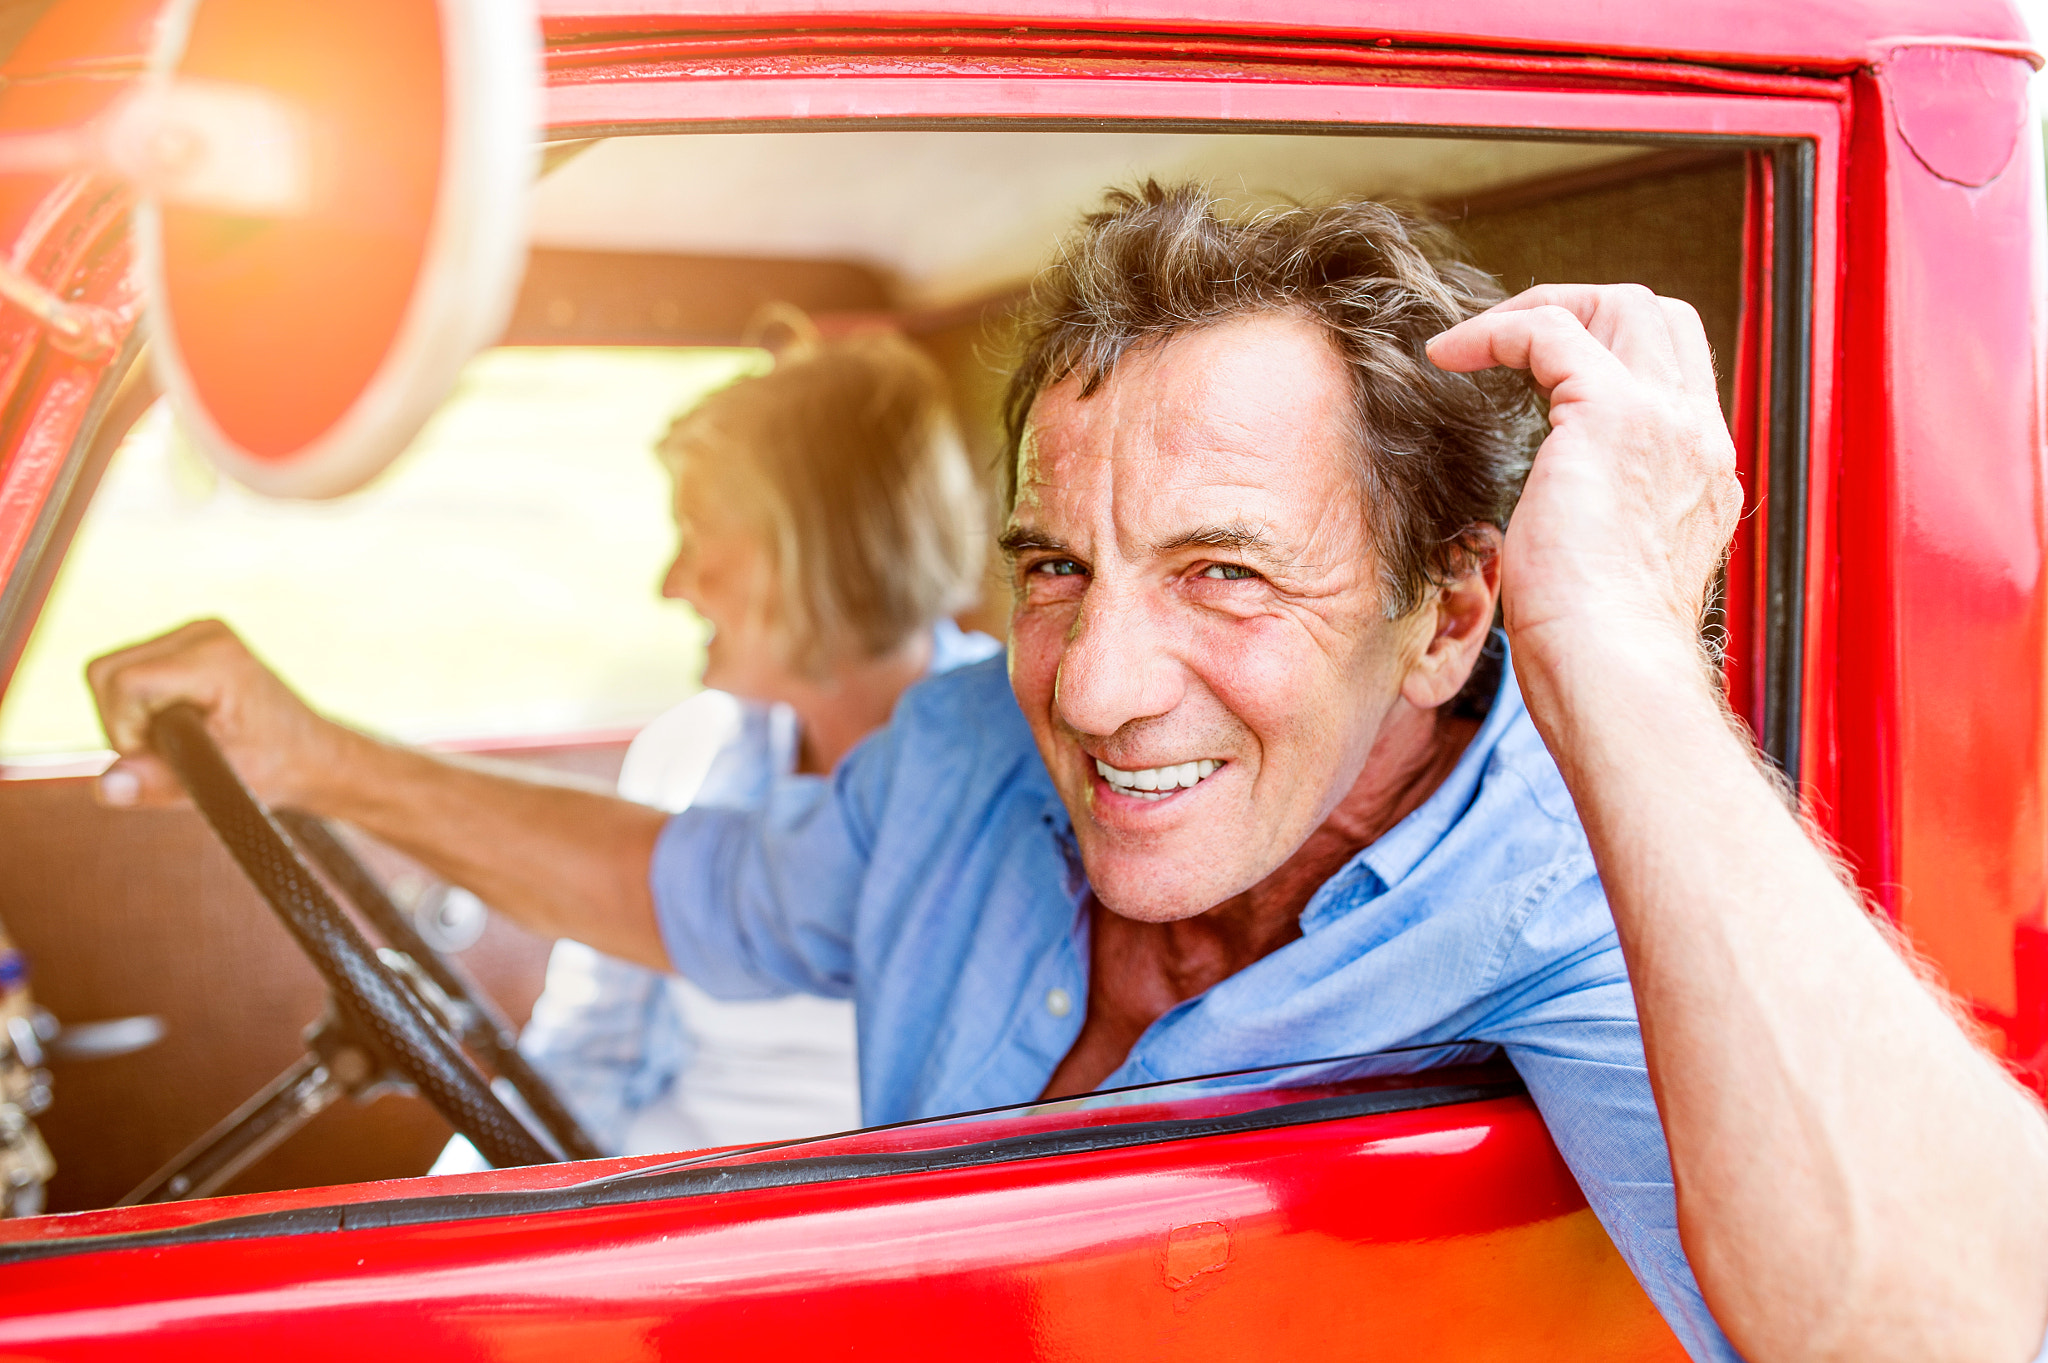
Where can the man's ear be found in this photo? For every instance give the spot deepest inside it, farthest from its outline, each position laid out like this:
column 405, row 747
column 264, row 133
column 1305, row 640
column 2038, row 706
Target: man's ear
column 1458, row 616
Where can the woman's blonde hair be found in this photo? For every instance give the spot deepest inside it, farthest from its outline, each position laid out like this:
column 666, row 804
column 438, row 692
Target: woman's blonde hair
column 847, row 460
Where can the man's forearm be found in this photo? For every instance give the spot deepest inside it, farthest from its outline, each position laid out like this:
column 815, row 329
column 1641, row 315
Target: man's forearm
column 1855, row 1178
column 562, row 859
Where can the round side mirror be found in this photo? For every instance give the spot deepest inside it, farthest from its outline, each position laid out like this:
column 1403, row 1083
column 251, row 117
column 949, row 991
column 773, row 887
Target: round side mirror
column 334, row 223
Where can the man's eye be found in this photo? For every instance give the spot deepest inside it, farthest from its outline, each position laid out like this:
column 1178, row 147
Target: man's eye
column 1057, row 567
column 1229, row 572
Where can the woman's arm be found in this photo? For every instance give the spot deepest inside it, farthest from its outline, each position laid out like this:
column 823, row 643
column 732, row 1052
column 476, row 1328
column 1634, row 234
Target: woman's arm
column 1856, row 1179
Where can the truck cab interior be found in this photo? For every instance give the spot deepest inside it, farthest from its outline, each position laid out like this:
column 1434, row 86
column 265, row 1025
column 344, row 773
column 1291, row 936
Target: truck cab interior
column 494, row 591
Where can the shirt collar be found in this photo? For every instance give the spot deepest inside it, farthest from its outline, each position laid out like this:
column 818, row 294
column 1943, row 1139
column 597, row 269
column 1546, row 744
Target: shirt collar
column 1386, row 861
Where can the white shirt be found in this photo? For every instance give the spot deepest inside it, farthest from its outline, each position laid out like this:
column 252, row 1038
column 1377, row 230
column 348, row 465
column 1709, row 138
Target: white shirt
column 649, row 1062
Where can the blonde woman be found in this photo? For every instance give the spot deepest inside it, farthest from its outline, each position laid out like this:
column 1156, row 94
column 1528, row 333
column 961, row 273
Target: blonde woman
column 829, row 526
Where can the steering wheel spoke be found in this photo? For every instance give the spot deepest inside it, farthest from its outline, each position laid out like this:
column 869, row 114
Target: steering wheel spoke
column 394, row 1021
column 439, row 981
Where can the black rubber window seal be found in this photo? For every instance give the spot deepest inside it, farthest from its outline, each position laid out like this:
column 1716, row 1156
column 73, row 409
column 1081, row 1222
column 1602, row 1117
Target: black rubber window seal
column 707, row 1180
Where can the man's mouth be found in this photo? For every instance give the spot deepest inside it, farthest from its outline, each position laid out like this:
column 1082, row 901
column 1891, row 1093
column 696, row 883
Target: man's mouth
column 1156, row 783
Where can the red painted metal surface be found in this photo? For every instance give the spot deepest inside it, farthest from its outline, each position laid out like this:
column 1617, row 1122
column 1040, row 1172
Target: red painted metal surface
column 74, row 242
column 1743, row 595
column 1923, row 703
column 676, row 94
column 1829, row 35
column 69, row 235
column 1388, row 62
column 86, row 37
column 1453, row 1233
column 1942, row 644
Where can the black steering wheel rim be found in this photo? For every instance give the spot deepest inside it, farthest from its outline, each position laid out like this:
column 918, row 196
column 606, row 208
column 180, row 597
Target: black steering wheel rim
column 387, row 1013
column 489, row 1032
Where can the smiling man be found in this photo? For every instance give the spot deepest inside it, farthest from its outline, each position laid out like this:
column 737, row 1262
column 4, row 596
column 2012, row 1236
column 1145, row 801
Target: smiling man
column 1234, row 676
column 1258, row 785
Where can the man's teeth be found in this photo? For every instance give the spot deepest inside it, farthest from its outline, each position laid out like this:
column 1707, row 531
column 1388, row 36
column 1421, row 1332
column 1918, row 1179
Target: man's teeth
column 1156, row 783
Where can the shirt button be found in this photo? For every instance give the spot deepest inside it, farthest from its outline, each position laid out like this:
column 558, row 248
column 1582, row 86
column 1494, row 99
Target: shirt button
column 1058, row 1002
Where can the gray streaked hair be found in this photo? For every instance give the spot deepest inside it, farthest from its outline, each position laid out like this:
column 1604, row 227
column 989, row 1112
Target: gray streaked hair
column 1437, row 454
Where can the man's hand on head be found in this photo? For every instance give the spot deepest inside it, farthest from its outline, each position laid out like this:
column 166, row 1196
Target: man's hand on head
column 1633, row 497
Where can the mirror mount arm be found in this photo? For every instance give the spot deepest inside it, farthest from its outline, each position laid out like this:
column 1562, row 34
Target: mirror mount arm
column 84, row 330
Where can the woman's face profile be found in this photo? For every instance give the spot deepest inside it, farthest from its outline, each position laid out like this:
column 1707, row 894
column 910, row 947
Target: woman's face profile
column 722, row 569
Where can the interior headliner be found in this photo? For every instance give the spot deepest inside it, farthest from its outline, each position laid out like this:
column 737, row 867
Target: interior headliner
column 953, row 216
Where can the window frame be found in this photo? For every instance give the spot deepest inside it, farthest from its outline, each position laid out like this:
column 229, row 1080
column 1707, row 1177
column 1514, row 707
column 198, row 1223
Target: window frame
column 1793, row 128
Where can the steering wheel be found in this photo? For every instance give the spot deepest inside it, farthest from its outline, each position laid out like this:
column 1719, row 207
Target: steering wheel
column 408, row 1007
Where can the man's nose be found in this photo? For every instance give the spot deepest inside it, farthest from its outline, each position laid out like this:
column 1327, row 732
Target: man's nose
column 1117, row 666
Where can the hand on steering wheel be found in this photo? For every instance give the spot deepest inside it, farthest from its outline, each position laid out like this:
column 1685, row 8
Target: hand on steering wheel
column 384, row 1008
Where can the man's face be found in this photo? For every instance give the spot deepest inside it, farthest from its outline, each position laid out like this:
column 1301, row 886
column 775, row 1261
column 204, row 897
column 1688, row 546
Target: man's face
column 1198, row 642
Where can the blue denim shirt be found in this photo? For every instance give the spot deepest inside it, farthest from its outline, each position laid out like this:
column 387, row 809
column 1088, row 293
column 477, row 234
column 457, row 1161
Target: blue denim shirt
column 607, row 1034
column 934, row 877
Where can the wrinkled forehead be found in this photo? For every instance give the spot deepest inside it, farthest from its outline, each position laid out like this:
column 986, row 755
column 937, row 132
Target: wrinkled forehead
column 1255, row 414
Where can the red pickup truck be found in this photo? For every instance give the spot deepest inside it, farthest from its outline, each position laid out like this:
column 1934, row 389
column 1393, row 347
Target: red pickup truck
column 1851, row 196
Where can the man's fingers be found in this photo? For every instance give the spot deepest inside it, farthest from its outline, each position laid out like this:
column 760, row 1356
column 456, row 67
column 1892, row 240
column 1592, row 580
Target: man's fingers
column 130, row 698
column 1626, row 318
column 1550, row 342
column 131, row 684
column 1587, row 302
column 1695, row 356
column 107, row 666
column 139, row 782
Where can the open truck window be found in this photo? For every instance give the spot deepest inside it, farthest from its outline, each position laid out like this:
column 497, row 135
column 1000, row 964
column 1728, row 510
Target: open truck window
column 497, row 586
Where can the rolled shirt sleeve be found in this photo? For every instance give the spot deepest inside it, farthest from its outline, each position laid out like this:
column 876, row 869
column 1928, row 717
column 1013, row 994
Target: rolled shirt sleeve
column 759, row 903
